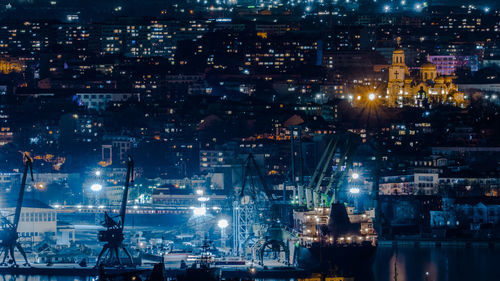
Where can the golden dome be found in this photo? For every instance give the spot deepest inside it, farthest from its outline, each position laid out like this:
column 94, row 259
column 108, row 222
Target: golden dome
column 439, row 79
column 428, row 66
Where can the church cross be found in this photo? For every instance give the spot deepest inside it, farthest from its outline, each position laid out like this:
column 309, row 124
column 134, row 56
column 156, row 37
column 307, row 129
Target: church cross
column 396, row 73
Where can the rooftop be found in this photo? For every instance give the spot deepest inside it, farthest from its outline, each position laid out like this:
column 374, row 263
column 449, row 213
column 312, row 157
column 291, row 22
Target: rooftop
column 27, row 203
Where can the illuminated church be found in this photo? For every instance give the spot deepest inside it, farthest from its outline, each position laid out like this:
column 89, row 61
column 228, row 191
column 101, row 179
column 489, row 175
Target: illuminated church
column 424, row 89
column 8, row 65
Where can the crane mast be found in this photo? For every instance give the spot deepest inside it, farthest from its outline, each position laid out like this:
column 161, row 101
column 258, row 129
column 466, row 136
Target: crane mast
column 274, row 235
column 28, row 165
column 129, row 178
column 113, row 235
column 8, row 233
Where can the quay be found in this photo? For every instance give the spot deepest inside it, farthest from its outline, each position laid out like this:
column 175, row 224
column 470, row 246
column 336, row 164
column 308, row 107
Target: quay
column 423, row 243
column 226, row 272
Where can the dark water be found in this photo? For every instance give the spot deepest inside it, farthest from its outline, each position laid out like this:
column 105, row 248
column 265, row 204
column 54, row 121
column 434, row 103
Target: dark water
column 45, row 278
column 442, row 264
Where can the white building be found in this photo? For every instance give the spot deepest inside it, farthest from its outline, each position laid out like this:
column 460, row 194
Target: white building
column 9, row 180
column 410, row 184
column 37, row 220
column 99, row 101
column 470, row 213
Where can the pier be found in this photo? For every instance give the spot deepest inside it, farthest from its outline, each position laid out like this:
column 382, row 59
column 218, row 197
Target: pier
column 226, row 272
column 439, row 243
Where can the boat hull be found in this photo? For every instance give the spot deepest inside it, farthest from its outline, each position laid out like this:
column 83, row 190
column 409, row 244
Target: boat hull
column 347, row 260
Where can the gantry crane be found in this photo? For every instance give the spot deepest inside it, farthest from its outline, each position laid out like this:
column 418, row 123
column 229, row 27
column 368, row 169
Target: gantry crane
column 275, row 235
column 8, row 233
column 250, row 165
column 113, row 235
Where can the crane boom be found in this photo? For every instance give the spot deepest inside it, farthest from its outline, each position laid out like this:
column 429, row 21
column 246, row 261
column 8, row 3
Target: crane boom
column 352, row 143
column 267, row 191
column 326, row 165
column 320, row 163
column 249, row 163
column 28, row 165
column 129, row 179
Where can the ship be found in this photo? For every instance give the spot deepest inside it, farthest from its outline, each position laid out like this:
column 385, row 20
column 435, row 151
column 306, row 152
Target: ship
column 329, row 243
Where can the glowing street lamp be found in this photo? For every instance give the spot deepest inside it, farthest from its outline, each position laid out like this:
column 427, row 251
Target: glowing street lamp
column 355, row 176
column 372, row 96
column 354, row 190
column 199, row 211
column 203, row 199
column 96, row 187
column 97, row 173
column 222, row 224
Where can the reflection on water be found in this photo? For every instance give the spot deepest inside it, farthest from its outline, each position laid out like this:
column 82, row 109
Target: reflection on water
column 401, row 264
column 437, row 264
column 44, row 278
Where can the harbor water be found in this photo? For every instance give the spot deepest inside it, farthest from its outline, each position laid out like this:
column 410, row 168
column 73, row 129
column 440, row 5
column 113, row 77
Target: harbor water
column 397, row 263
column 436, row 264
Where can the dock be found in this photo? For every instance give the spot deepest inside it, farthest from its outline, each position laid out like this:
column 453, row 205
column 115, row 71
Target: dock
column 422, row 243
column 226, row 272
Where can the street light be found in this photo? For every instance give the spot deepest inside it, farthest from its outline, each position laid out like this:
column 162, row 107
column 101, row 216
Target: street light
column 354, row 190
column 200, row 211
column 97, row 173
column 222, row 224
column 203, row 199
column 355, row 176
column 96, row 187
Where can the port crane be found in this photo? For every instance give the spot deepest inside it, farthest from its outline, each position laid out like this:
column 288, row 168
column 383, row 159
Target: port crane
column 113, row 235
column 8, row 233
column 317, row 195
column 275, row 236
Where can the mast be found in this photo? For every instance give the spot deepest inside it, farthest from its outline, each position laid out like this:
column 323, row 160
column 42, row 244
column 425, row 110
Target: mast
column 129, row 179
column 375, row 192
column 28, row 164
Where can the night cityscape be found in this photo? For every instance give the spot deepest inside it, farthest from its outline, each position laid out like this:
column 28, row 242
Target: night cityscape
column 342, row 140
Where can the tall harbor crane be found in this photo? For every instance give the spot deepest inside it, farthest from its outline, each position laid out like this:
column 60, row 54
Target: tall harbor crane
column 273, row 235
column 251, row 165
column 113, row 235
column 316, row 193
column 8, row 232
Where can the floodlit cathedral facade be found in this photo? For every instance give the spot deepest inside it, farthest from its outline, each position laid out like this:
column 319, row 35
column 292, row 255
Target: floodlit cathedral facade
column 10, row 65
column 424, row 89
